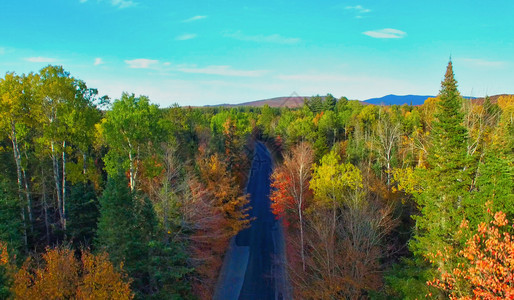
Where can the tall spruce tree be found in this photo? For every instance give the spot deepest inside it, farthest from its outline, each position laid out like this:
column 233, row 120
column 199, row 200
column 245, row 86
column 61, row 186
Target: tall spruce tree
column 446, row 181
column 119, row 233
column 441, row 193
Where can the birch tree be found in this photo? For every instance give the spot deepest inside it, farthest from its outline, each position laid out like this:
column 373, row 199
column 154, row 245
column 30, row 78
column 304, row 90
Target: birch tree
column 130, row 128
column 16, row 116
column 68, row 115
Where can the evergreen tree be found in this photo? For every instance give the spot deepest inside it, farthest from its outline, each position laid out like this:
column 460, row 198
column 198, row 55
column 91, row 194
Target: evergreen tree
column 168, row 270
column 128, row 231
column 11, row 233
column 315, row 104
column 446, row 182
column 448, row 152
column 119, row 233
column 496, row 184
column 83, row 213
column 441, row 190
column 329, row 103
column 11, row 224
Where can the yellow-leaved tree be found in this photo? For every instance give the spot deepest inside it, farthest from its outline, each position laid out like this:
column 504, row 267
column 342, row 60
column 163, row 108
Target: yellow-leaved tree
column 223, row 186
column 346, row 226
column 60, row 275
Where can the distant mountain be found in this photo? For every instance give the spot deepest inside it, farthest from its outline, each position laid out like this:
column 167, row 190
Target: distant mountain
column 399, row 100
column 297, row 101
column 291, row 102
column 294, row 101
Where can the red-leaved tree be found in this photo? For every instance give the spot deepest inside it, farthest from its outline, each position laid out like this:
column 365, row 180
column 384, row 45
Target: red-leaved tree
column 290, row 183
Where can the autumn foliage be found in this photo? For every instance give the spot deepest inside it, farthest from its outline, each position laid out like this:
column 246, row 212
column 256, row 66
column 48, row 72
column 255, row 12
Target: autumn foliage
column 290, row 190
column 208, row 241
column 487, row 267
column 235, row 159
column 281, row 199
column 290, row 183
column 61, row 276
column 335, row 228
column 368, row 193
column 222, row 185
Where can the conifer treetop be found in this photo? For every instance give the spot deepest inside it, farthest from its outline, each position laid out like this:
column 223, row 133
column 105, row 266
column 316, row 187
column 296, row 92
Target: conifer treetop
column 449, row 84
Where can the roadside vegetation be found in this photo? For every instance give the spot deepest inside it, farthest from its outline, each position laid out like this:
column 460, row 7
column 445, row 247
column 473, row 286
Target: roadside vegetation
column 121, row 199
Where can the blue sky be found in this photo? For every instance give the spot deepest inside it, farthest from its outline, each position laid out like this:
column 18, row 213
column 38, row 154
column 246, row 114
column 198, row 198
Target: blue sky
column 208, row 52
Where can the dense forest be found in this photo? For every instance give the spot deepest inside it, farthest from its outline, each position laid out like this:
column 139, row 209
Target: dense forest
column 121, row 199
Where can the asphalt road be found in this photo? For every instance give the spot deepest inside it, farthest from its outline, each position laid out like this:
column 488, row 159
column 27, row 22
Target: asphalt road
column 259, row 247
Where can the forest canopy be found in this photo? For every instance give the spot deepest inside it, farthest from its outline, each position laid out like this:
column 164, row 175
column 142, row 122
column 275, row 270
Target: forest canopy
column 376, row 201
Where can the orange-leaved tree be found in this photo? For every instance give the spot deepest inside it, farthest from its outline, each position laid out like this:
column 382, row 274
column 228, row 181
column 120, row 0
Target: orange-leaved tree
column 282, row 203
column 224, row 188
column 62, row 276
column 487, row 267
column 290, row 183
column 6, row 269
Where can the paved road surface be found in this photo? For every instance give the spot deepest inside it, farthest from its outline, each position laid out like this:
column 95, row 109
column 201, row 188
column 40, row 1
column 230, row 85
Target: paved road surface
column 254, row 267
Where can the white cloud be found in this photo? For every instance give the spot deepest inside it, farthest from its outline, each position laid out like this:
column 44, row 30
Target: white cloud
column 2, row 50
column 40, row 59
column 98, row 61
column 186, row 36
column 123, row 3
column 222, row 71
column 478, row 62
column 142, row 63
column 116, row 3
column 386, row 33
column 274, row 38
column 195, row 18
column 358, row 8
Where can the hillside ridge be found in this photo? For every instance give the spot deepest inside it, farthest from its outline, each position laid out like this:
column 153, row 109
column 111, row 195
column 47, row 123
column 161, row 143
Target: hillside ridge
column 391, row 99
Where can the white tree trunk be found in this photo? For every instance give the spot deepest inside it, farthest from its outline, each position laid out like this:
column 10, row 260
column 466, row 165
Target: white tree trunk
column 132, row 172
column 63, row 185
column 57, row 180
column 17, row 159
